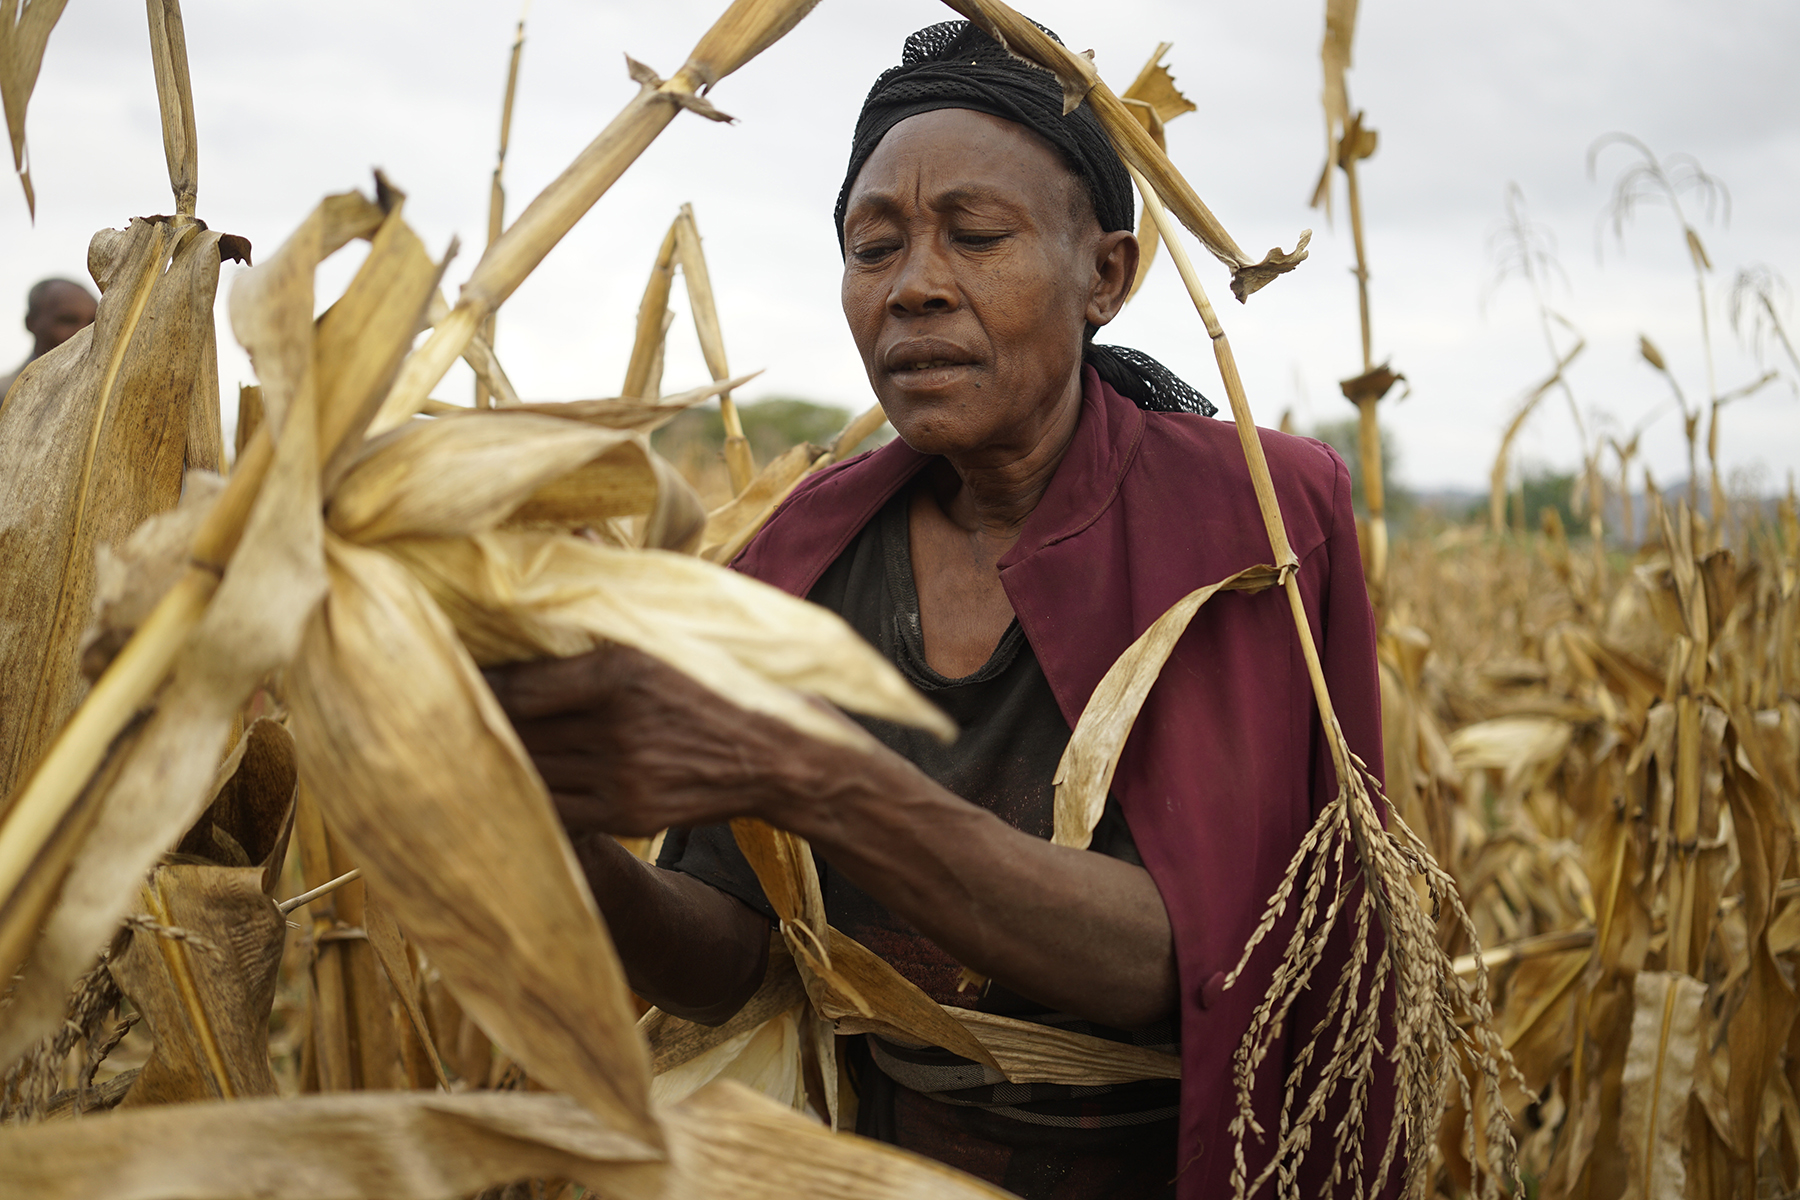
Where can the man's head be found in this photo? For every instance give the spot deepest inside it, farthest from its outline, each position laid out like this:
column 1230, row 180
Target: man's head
column 55, row 311
column 986, row 234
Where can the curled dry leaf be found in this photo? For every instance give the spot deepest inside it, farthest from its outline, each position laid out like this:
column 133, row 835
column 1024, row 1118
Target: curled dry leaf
column 419, row 772
column 202, row 970
column 523, row 595
column 23, row 36
column 1084, row 776
column 459, row 475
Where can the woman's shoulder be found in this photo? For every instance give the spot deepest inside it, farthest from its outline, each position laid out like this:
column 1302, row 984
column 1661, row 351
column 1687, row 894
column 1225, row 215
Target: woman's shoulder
column 1191, row 460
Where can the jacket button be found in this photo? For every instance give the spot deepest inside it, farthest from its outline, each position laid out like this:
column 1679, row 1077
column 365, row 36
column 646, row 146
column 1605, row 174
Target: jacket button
column 1212, row 989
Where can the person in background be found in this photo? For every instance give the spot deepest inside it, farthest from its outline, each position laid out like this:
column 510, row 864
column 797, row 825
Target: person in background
column 55, row 311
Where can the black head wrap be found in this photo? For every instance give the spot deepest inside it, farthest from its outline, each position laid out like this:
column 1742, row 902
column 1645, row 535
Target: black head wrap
column 957, row 65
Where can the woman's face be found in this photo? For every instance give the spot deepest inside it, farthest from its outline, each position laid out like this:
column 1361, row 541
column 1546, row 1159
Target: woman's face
column 972, row 264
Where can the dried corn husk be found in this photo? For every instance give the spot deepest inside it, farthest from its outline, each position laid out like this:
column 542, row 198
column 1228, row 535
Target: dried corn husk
column 725, row 1142
column 419, row 772
column 523, row 595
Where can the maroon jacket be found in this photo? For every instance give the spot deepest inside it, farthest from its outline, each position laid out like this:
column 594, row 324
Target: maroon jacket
column 1226, row 766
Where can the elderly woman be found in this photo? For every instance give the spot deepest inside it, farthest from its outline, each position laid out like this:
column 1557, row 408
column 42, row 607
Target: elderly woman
column 1047, row 500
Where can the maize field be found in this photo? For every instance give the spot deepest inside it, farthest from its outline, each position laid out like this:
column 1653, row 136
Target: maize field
column 285, row 910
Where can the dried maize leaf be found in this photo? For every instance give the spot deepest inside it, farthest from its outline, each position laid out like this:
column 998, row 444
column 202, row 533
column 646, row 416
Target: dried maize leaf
column 157, row 782
column 653, row 318
column 348, row 1146
column 765, row 1057
column 517, row 596
column 1029, row 1053
column 729, row 1143
column 739, row 462
column 419, row 772
column 272, row 306
column 175, row 97
column 23, row 36
column 731, row 526
column 1085, row 773
column 459, row 474
column 674, row 1041
column 862, row 986
column 201, row 967
column 638, row 415
column 1658, row 1079
column 248, row 820
column 131, row 577
column 389, row 945
column 94, row 439
column 1155, row 86
column 360, row 341
column 629, row 480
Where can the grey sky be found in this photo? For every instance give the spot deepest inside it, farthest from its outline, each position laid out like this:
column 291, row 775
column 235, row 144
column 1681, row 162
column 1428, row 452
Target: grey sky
column 297, row 101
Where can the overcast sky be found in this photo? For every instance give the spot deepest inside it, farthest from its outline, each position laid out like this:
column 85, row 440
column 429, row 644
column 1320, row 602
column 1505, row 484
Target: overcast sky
column 295, row 101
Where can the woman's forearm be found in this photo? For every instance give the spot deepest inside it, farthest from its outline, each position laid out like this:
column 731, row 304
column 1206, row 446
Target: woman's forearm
column 688, row 948
column 1075, row 930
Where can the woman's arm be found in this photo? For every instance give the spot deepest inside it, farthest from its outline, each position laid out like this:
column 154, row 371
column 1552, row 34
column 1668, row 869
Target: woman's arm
column 628, row 745
column 688, row 948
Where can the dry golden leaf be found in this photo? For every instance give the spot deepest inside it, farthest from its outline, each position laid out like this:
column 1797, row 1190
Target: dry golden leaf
column 419, row 772
column 248, row 821
column 730, row 527
column 201, row 967
column 389, row 945
column 23, row 35
column 516, row 596
column 739, row 462
column 382, row 1146
column 175, row 98
column 157, row 782
column 726, row 1142
column 640, row 415
column 94, row 439
column 131, row 577
column 459, row 475
column 1032, row 1053
column 1658, row 1080
column 630, row 480
column 764, row 1057
column 1084, row 775
column 674, row 1041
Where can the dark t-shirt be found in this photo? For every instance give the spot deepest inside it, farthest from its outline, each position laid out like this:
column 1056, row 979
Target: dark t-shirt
column 1042, row 1141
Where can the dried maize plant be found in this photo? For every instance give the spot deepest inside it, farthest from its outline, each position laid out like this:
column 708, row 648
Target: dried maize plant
column 1353, row 869
column 1624, row 770
column 1348, row 141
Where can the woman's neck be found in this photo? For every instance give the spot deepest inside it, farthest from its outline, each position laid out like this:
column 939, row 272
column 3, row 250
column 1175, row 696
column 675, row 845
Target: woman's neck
column 991, row 491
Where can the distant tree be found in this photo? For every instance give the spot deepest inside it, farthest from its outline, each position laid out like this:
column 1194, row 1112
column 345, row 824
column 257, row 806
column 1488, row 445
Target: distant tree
column 772, row 425
column 1344, row 437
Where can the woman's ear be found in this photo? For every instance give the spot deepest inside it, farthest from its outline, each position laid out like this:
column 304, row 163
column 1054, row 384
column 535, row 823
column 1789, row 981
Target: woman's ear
column 1115, row 266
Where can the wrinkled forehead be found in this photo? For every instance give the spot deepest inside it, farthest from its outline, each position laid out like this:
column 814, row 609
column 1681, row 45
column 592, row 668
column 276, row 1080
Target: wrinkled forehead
column 957, row 154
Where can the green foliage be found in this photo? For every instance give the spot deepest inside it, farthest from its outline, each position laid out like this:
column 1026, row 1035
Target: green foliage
column 1344, row 437
column 772, row 426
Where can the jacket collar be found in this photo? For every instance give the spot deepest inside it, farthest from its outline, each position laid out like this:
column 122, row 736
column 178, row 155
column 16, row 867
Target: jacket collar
column 1086, row 482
